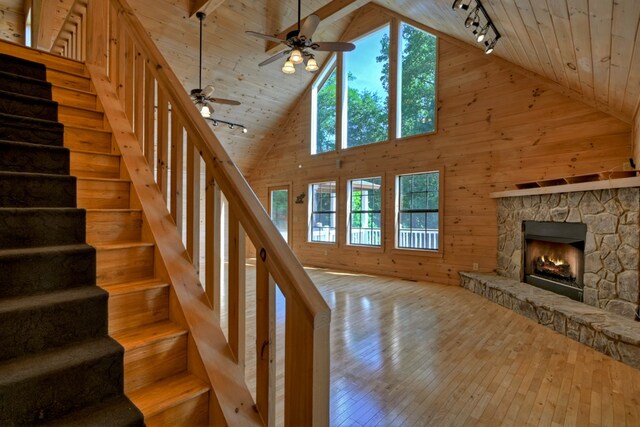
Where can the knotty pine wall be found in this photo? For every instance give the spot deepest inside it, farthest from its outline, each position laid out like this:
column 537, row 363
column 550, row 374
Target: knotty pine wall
column 497, row 125
column 12, row 21
column 636, row 140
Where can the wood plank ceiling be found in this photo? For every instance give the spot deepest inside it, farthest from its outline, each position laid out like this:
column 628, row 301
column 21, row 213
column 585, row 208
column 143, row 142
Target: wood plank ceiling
column 588, row 47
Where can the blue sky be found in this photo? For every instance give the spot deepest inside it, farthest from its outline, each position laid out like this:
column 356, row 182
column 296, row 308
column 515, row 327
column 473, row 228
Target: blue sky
column 362, row 62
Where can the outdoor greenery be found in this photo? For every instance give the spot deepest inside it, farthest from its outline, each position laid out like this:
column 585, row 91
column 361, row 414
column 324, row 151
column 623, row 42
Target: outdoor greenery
column 367, row 110
column 372, row 203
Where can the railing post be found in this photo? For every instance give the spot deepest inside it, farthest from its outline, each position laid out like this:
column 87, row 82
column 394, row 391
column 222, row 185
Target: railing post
column 265, row 342
column 213, row 242
column 97, row 24
column 237, row 287
column 306, row 372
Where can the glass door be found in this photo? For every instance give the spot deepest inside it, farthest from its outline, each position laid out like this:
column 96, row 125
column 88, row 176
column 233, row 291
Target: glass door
column 279, row 209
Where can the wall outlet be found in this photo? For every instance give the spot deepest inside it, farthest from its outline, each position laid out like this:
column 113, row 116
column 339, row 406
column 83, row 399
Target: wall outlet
column 475, row 266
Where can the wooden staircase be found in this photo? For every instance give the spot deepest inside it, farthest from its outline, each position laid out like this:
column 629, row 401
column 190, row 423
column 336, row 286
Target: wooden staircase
column 157, row 378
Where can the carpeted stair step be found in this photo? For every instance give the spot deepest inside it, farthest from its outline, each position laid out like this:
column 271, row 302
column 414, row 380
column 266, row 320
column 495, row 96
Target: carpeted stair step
column 22, row 67
column 48, row 385
column 25, row 190
column 115, row 412
column 25, row 85
column 28, row 106
column 34, row 131
column 39, row 322
column 35, row 270
column 33, row 227
column 34, row 158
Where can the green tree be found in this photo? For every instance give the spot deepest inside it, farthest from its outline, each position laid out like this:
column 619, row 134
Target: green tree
column 418, row 79
column 326, row 119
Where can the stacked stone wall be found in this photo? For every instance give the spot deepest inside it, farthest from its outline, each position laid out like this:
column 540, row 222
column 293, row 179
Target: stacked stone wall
column 611, row 247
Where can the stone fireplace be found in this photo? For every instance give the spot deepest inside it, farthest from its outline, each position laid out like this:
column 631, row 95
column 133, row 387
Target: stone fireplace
column 600, row 269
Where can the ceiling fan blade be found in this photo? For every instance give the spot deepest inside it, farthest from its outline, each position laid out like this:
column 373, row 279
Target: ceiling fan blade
column 223, row 101
column 264, row 36
column 274, row 57
column 333, row 46
column 309, row 26
column 208, row 91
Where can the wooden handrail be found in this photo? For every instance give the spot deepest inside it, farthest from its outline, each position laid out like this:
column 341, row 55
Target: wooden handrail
column 161, row 113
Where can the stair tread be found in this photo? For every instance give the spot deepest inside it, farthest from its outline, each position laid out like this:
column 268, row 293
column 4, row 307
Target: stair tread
column 105, row 210
column 119, row 411
column 122, row 245
column 33, row 146
column 16, row 370
column 93, row 153
column 73, row 89
column 84, row 128
column 50, row 298
column 45, row 249
column 38, row 175
column 155, row 398
column 29, row 98
column 14, row 118
column 143, row 335
column 139, row 285
column 88, row 178
column 75, row 107
column 71, row 73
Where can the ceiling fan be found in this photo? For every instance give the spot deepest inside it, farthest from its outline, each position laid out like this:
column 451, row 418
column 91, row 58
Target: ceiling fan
column 203, row 98
column 301, row 46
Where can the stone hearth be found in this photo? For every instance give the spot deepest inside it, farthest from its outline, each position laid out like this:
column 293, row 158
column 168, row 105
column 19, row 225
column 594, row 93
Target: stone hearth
column 611, row 247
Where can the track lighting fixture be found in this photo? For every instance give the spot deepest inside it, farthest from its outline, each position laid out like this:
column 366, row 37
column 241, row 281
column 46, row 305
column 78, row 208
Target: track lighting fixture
column 479, row 19
column 231, row 125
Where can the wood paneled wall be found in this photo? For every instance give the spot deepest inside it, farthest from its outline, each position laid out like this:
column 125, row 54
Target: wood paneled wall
column 497, row 126
column 12, row 21
column 636, row 140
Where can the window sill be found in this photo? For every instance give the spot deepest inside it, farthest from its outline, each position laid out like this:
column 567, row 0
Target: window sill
column 365, row 248
column 429, row 253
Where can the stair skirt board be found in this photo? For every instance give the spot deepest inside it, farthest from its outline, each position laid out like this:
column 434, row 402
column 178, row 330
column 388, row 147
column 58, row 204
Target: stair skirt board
column 58, row 365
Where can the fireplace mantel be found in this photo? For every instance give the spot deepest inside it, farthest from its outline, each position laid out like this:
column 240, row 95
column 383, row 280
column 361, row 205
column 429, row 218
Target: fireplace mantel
column 570, row 188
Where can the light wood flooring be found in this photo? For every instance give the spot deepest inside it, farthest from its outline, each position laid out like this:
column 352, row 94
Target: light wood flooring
column 406, row 353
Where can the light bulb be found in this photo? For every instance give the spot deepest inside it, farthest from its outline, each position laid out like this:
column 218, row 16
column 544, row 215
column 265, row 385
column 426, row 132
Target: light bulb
column 489, row 46
column 288, row 68
column 482, row 34
column 205, row 112
column 244, row 130
column 296, row 57
column 312, row 65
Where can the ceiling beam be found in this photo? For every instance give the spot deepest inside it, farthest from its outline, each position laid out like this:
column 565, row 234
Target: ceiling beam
column 328, row 14
column 206, row 6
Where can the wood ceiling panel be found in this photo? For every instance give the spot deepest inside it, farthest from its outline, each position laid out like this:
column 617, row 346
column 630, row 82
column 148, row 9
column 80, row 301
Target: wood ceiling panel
column 589, row 47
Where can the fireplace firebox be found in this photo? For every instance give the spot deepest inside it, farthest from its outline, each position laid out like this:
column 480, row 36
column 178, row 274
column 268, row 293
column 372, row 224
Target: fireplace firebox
column 554, row 256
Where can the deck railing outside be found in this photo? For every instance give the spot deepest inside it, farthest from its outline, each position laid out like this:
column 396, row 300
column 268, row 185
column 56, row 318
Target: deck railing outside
column 180, row 149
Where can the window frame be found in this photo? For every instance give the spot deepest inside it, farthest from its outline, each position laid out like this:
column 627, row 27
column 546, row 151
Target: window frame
column 336, row 61
column 311, row 212
column 433, row 252
column 349, row 213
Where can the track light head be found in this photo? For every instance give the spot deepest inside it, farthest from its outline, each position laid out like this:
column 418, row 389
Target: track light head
column 482, row 34
column 478, row 19
column 471, row 18
column 489, row 46
column 456, row 4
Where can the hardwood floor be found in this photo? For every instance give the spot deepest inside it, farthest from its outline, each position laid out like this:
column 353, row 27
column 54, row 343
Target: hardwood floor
column 406, row 353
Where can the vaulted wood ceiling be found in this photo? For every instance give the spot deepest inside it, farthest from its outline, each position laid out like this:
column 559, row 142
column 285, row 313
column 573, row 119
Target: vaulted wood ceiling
column 587, row 47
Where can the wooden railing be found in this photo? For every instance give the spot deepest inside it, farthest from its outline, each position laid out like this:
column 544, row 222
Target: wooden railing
column 188, row 162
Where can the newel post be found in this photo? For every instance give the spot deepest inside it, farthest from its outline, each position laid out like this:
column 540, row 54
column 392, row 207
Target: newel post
column 98, row 33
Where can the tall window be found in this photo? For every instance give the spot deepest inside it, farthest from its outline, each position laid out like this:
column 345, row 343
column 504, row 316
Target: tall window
column 364, row 80
column 322, row 221
column 418, row 211
column 365, row 204
column 325, row 120
column 417, row 88
column 366, row 71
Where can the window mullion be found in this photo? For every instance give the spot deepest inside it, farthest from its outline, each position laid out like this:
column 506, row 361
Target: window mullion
column 341, row 93
column 393, row 78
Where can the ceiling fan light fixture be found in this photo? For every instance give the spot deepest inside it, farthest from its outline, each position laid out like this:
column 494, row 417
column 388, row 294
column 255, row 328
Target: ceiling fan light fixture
column 288, row 67
column 296, row 57
column 312, row 65
column 205, row 111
